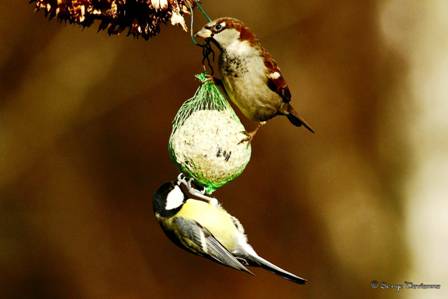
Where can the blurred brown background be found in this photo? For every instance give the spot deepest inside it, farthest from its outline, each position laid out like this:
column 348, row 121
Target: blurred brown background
column 84, row 125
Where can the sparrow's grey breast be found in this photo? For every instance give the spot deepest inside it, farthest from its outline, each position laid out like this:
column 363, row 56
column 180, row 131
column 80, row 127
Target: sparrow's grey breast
column 244, row 75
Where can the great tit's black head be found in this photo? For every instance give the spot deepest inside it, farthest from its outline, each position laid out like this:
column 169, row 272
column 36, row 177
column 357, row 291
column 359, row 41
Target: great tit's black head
column 168, row 200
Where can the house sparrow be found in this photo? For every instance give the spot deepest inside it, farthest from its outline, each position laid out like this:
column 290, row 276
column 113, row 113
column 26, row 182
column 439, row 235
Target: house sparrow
column 250, row 76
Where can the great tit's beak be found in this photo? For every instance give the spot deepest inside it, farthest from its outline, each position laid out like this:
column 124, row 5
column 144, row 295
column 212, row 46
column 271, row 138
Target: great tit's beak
column 204, row 33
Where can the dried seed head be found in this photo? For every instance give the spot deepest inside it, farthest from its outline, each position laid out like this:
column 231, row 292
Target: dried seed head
column 139, row 17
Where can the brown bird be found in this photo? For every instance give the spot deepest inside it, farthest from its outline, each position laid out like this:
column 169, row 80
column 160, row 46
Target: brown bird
column 251, row 77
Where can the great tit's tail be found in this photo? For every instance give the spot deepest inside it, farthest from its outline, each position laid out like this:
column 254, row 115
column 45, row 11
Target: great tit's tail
column 295, row 119
column 261, row 262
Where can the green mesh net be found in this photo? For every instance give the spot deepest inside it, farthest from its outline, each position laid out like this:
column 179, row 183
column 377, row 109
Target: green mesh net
column 207, row 97
column 205, row 142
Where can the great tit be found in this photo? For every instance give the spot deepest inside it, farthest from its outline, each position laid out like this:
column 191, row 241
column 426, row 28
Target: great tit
column 203, row 227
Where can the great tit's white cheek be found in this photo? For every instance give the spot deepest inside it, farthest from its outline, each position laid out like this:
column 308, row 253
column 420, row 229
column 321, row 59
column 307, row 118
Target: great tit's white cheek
column 174, row 199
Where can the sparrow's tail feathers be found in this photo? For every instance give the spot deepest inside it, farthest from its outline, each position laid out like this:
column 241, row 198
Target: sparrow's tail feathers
column 296, row 120
column 261, row 262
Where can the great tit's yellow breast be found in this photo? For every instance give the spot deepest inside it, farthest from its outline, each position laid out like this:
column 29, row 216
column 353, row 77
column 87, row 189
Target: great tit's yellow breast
column 215, row 219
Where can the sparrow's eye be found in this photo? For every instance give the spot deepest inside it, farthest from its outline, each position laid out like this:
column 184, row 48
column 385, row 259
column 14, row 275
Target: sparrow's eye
column 218, row 27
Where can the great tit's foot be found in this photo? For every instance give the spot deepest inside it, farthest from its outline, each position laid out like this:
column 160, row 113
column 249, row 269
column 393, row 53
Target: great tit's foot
column 180, row 176
column 190, row 184
column 203, row 190
column 181, row 179
column 214, row 202
column 211, row 200
column 201, row 195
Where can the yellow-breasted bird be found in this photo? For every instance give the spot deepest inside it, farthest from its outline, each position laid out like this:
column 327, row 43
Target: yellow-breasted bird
column 203, row 227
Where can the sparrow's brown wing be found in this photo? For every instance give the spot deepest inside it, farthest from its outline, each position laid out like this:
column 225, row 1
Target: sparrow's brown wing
column 275, row 79
column 278, row 84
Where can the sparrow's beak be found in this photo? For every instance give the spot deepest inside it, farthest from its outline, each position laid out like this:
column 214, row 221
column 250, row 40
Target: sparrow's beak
column 204, row 33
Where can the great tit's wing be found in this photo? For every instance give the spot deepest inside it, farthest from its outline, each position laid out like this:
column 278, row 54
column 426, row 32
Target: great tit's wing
column 199, row 240
column 256, row 260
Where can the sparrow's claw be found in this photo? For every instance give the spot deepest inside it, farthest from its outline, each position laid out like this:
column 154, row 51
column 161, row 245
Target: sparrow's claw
column 210, row 77
column 248, row 138
column 213, row 79
column 250, row 135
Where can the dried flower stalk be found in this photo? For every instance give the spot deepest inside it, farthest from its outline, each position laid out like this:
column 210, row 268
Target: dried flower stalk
column 140, row 17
